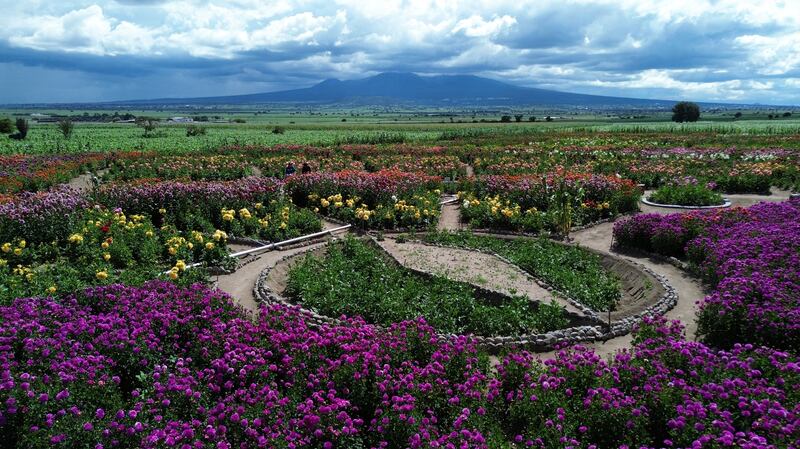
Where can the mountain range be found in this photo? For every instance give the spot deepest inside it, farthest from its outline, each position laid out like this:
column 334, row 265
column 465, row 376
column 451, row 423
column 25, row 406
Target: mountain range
column 395, row 88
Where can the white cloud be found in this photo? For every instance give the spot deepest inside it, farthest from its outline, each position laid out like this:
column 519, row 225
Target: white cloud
column 476, row 26
column 737, row 48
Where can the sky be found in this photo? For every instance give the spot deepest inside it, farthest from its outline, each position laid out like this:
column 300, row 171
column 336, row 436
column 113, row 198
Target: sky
column 738, row 51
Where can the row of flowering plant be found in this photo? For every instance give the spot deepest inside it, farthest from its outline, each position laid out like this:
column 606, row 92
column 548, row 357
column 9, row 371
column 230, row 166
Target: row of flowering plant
column 535, row 202
column 152, row 166
column 382, row 200
column 160, row 366
column 21, row 172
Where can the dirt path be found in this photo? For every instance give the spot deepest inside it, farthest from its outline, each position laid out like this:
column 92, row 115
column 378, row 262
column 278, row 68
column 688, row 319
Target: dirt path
column 450, row 218
column 473, row 267
column 688, row 288
column 240, row 283
column 84, row 182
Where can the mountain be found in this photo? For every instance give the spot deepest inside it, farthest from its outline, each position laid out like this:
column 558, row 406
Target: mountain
column 409, row 88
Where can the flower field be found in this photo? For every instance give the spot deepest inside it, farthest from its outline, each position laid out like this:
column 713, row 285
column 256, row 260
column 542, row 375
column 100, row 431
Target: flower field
column 110, row 339
column 749, row 257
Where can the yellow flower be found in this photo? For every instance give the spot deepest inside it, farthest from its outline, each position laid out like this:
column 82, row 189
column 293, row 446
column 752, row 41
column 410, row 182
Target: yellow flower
column 52, row 289
column 22, row 243
column 172, row 250
column 283, row 225
column 258, row 206
column 29, row 276
column 180, row 265
column 149, row 233
column 324, row 203
column 104, row 245
column 244, row 213
column 162, row 211
column 101, row 275
column 106, row 257
column 6, row 247
column 173, row 273
column 3, row 262
column 209, row 246
column 17, row 251
column 190, row 245
column 219, row 235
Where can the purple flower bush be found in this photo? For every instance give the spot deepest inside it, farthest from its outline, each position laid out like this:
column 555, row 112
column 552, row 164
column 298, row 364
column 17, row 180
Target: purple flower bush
column 162, row 366
column 751, row 258
column 42, row 216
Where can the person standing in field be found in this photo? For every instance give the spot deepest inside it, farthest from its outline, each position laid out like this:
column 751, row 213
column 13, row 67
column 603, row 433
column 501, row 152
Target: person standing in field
column 290, row 170
column 306, row 168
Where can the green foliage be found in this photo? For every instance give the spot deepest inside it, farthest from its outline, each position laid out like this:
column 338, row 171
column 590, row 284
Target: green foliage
column 685, row 111
column 570, row 269
column 354, row 278
column 686, row 195
column 66, row 126
column 6, row 126
column 149, row 124
column 194, row 130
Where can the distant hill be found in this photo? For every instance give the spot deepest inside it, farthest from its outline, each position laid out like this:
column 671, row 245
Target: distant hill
column 409, row 88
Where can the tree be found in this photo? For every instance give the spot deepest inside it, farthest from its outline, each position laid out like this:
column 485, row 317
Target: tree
column 505, row 119
column 22, row 129
column 194, row 130
column 737, row 115
column 548, row 119
column 787, row 114
column 6, row 125
column 147, row 123
column 531, row 119
column 685, row 111
column 518, row 118
column 66, row 126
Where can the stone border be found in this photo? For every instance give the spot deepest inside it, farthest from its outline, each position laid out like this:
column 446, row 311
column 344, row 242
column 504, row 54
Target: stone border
column 727, row 203
column 534, row 342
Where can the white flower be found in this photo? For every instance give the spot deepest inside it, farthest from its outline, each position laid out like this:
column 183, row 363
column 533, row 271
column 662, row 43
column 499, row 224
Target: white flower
column 466, row 204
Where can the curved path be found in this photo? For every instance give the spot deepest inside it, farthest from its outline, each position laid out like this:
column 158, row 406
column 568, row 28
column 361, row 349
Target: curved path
column 240, row 283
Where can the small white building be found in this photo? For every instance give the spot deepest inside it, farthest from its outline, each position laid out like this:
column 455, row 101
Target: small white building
column 180, row 120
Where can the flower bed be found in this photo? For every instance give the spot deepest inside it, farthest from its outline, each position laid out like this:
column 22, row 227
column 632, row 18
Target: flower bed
column 20, row 173
column 383, row 200
column 129, row 167
column 353, row 278
column 749, row 257
column 535, row 203
column 103, row 247
column 205, row 375
column 687, row 192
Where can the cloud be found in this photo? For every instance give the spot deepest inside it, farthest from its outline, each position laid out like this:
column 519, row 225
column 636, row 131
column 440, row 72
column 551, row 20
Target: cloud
column 717, row 50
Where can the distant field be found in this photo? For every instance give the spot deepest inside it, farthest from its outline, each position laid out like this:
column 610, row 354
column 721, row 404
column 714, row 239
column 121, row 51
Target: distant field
column 341, row 128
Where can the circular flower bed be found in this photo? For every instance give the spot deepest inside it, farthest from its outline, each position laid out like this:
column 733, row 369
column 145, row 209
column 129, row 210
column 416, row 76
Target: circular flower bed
column 686, row 193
